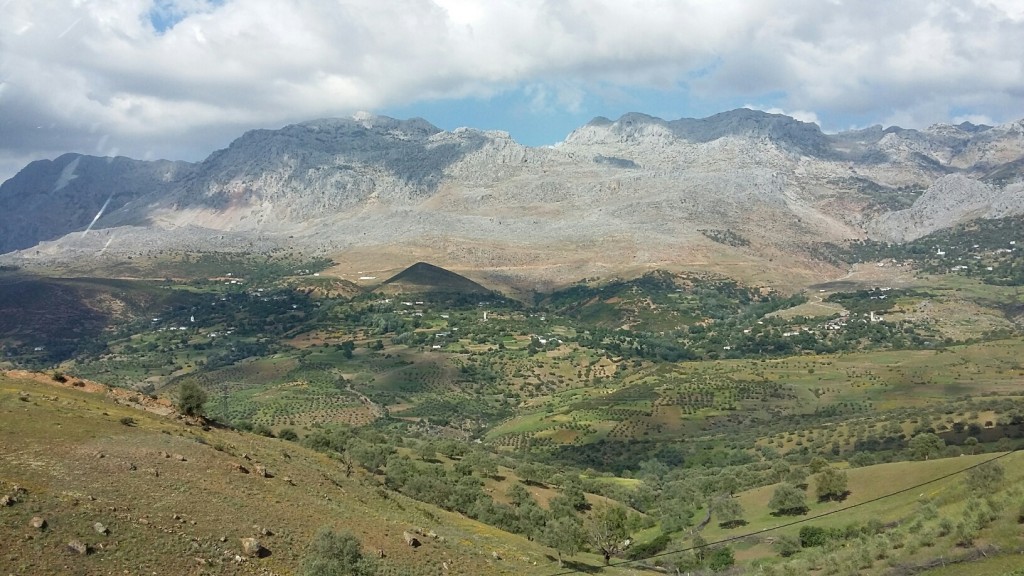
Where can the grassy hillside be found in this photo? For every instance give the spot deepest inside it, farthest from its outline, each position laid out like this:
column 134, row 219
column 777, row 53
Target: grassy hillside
column 175, row 502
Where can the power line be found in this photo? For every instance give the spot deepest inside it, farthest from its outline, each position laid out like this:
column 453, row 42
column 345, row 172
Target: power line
column 802, row 520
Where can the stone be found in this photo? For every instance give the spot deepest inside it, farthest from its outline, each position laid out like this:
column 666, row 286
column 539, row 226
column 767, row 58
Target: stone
column 239, row 468
column 411, row 540
column 100, row 528
column 78, row 547
column 7, row 500
column 495, row 555
column 37, row 522
column 261, row 471
column 251, row 547
column 179, row 458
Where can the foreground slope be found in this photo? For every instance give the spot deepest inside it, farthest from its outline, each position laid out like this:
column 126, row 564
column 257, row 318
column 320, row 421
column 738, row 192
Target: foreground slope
column 174, row 499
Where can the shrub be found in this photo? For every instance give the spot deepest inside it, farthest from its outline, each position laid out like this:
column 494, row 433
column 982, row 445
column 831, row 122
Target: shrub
column 786, row 545
column 333, row 553
column 288, row 434
column 128, row 421
column 721, row 558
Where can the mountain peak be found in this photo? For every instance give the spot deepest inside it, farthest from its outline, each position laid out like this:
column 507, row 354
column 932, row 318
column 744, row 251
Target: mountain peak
column 425, row 278
column 803, row 137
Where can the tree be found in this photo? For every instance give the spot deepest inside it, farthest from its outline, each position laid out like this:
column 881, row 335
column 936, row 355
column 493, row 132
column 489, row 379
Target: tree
column 427, row 451
column 333, row 553
column 729, row 512
column 788, row 500
column 529, row 472
column 972, row 443
column 797, row 476
column 482, row 463
column 700, row 547
column 605, row 530
column 925, row 446
column 830, row 485
column 817, row 464
column 565, row 535
column 518, row 495
column 573, row 492
column 191, row 399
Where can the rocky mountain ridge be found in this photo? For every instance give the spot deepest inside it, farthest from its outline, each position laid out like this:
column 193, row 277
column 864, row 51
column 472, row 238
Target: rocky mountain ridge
column 635, row 191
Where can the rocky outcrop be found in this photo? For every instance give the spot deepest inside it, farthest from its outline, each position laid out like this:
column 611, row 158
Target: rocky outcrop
column 951, row 200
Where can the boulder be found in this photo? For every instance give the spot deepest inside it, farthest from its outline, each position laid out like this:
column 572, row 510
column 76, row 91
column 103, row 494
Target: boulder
column 410, row 540
column 38, row 522
column 78, row 547
column 252, row 548
column 100, row 528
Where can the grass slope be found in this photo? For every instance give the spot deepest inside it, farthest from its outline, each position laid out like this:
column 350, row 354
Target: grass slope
column 79, row 464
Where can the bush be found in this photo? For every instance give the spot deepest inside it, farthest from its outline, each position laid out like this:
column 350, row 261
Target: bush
column 288, row 434
column 647, row 549
column 721, row 558
column 59, row 376
column 786, row 545
column 333, row 553
column 191, row 399
column 814, row 536
column 128, row 421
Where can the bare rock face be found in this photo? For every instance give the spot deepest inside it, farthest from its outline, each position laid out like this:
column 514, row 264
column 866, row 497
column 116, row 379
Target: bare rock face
column 951, row 200
column 65, row 194
column 633, row 190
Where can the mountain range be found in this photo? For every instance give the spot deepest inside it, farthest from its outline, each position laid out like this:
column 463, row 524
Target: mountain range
column 741, row 190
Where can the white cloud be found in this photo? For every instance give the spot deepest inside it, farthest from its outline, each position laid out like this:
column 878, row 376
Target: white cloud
column 73, row 73
column 801, row 115
column 974, row 119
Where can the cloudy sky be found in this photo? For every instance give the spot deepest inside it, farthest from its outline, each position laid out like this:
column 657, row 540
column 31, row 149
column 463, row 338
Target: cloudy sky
column 180, row 78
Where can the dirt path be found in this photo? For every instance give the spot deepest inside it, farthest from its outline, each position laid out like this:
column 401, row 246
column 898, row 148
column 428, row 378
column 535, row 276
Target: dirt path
column 378, row 411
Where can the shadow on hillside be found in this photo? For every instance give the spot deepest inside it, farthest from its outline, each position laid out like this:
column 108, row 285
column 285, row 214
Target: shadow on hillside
column 573, row 565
